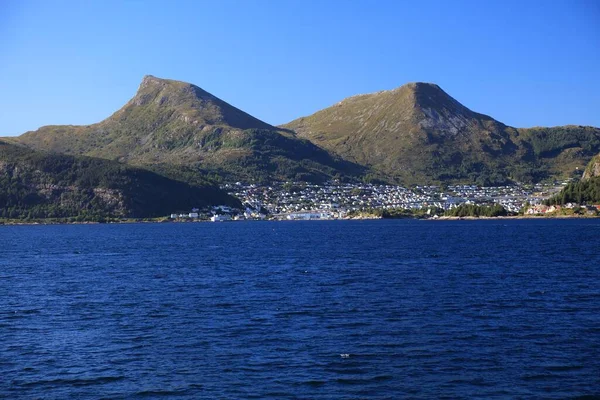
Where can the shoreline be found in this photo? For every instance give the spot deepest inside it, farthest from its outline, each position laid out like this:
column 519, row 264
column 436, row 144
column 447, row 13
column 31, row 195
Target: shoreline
column 163, row 221
column 516, row 217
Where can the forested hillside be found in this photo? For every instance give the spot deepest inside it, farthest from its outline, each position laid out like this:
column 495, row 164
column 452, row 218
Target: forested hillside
column 42, row 185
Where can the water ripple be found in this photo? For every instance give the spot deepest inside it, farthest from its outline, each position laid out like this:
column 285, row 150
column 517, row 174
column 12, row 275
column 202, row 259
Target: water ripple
column 344, row 310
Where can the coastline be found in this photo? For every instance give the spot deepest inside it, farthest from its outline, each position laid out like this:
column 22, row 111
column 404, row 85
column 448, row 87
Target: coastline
column 515, row 217
column 356, row 218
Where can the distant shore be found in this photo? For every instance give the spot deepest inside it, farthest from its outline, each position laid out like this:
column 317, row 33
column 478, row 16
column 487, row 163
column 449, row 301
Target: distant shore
column 514, row 217
column 355, row 218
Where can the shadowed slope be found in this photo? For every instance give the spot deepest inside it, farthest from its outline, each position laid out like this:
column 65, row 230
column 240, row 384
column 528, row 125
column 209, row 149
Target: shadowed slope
column 37, row 184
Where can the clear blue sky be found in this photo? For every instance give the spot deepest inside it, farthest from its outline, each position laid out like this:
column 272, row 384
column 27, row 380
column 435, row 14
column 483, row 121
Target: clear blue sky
column 525, row 63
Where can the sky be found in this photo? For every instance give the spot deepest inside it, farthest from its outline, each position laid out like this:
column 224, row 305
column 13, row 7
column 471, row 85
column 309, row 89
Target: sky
column 525, row 63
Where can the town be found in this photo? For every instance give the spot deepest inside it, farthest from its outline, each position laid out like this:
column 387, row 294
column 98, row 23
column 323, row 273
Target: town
column 337, row 200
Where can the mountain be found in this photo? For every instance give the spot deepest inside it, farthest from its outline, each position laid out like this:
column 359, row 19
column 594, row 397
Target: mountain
column 415, row 134
column 585, row 191
column 418, row 133
column 593, row 169
column 35, row 184
column 171, row 123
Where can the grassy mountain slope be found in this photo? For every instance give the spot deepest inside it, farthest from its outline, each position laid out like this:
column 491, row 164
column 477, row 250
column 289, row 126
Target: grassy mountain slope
column 36, row 184
column 171, row 123
column 419, row 134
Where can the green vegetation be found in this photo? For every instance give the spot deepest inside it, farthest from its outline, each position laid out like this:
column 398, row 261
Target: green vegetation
column 550, row 142
column 474, row 210
column 292, row 188
column 582, row 192
column 179, row 130
column 395, row 213
column 585, row 191
column 415, row 134
column 418, row 134
column 36, row 185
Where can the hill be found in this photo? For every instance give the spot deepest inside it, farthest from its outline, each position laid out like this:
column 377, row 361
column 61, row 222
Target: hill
column 585, row 191
column 593, row 169
column 36, row 184
column 171, row 123
column 418, row 133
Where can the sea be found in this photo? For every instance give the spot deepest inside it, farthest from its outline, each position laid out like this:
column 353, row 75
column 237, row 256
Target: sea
column 380, row 309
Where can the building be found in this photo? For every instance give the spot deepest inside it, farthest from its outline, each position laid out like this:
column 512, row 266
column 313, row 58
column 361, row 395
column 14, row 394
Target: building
column 220, row 218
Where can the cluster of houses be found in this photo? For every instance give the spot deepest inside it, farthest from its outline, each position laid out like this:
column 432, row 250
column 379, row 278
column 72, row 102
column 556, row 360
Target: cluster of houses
column 280, row 199
column 541, row 209
column 313, row 215
column 219, row 214
column 335, row 200
column 194, row 214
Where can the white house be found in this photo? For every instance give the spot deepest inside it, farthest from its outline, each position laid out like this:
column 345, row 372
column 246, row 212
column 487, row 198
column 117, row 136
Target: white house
column 220, row 218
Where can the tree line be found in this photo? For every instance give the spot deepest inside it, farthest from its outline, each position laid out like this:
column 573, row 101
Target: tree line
column 582, row 192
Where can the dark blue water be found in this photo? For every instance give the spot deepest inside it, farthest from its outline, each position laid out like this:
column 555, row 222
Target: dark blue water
column 462, row 309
